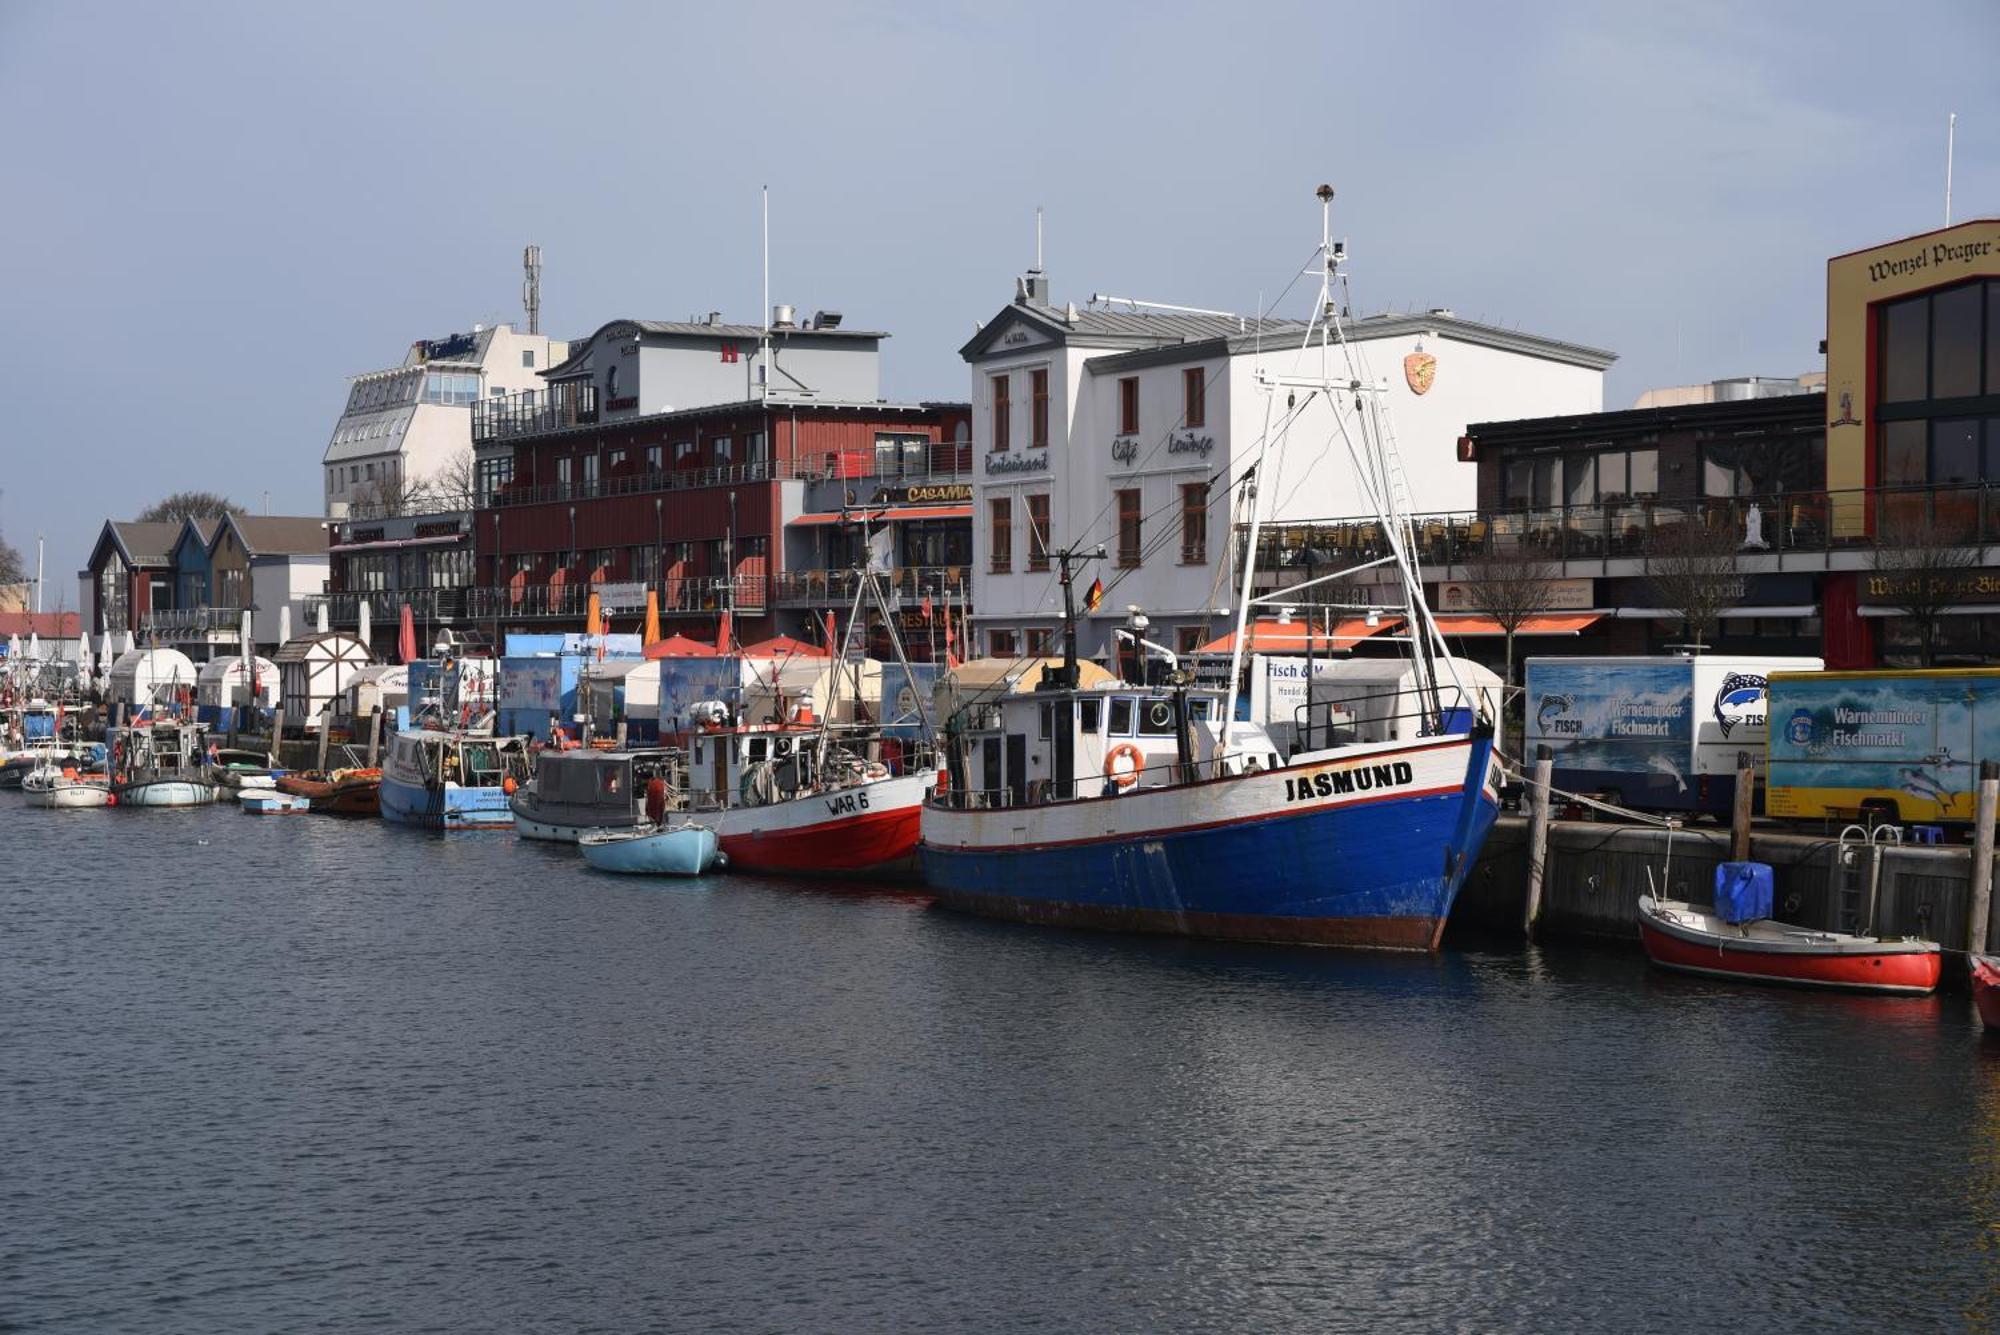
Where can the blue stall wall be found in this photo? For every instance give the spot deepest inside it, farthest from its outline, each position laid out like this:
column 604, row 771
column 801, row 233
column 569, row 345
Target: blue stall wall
column 1624, row 726
column 685, row 682
column 534, row 687
column 904, row 695
column 1914, row 738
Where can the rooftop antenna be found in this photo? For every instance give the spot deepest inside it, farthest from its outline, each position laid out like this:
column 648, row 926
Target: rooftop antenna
column 764, row 344
column 531, row 287
column 1950, row 134
column 1038, row 237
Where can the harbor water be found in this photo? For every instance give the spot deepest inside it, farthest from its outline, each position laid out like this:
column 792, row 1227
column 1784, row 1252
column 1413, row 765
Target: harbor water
column 264, row 1074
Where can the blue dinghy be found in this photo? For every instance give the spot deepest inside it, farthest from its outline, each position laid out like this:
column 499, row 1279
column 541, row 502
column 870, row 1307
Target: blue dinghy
column 685, row 850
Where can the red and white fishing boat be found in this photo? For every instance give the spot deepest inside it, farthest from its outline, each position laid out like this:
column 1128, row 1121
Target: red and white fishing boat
column 1986, row 988
column 1693, row 940
column 829, row 786
column 797, row 799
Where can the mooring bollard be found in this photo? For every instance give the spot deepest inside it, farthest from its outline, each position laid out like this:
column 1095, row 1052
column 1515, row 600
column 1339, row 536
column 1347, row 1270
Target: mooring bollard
column 1980, row 902
column 1538, row 836
column 374, row 735
column 1739, row 816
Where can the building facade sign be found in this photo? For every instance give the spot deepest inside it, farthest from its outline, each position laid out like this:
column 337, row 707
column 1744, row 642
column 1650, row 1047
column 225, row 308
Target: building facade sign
column 1565, row 595
column 1124, row 450
column 998, row 465
column 942, row 493
column 1198, row 443
column 622, row 597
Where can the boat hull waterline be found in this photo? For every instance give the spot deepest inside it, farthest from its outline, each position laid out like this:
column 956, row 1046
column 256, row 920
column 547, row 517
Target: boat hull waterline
column 1372, row 854
column 445, row 807
column 869, row 828
column 1688, row 940
column 165, row 793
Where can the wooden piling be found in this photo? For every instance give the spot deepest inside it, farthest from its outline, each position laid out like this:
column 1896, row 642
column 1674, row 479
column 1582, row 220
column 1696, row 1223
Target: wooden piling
column 277, row 735
column 1538, row 835
column 1739, row 816
column 374, row 734
column 621, row 734
column 325, row 735
column 1980, row 902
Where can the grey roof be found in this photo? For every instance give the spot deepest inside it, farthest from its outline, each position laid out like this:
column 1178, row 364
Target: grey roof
column 1174, row 333
column 281, row 535
column 145, row 544
column 702, row 329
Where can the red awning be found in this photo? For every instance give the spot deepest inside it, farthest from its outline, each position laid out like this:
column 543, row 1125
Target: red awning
column 782, row 646
column 1273, row 637
column 895, row 514
column 1548, row 623
column 679, row 646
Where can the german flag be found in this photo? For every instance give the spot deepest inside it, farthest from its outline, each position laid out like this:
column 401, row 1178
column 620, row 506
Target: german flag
column 1093, row 596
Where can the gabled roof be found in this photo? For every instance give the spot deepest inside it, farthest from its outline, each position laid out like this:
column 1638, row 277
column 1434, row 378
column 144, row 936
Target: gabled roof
column 276, row 535
column 201, row 530
column 139, row 544
column 1136, row 332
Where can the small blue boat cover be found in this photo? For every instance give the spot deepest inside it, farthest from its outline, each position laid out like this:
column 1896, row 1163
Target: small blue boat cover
column 1743, row 891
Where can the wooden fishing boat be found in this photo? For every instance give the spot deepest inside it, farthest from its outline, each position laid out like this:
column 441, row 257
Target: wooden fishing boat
column 1693, row 940
column 1986, row 987
column 340, row 792
column 65, row 789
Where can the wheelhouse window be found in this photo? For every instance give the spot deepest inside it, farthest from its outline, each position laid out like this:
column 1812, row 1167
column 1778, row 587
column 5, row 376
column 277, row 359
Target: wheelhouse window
column 1038, row 420
column 1000, row 414
column 1038, row 531
column 1194, row 397
column 1089, row 714
column 1128, row 405
column 1129, row 526
column 1121, row 717
column 1002, row 535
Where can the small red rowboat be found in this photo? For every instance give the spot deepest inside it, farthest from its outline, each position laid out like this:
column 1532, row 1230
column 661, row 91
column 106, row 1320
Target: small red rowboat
column 1693, row 940
column 1986, row 988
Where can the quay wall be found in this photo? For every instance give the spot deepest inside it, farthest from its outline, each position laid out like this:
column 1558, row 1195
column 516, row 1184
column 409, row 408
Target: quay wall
column 1597, row 871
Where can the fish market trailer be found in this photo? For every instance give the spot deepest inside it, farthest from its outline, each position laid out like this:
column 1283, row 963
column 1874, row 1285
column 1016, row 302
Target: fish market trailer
column 1658, row 733
column 1903, row 745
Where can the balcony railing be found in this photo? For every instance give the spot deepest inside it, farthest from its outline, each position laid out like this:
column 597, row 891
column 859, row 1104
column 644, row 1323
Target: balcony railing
column 904, row 587
column 385, row 606
column 191, row 620
column 531, row 412
column 1806, row 522
column 631, row 484
column 684, row 596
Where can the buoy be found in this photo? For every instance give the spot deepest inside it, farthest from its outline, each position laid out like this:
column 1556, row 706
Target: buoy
column 111, row 801
column 507, row 785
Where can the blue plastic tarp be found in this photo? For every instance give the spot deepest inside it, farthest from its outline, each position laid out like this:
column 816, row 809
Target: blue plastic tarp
column 1743, row 891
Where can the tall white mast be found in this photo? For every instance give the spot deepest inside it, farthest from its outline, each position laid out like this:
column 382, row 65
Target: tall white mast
column 1950, row 135
column 764, row 344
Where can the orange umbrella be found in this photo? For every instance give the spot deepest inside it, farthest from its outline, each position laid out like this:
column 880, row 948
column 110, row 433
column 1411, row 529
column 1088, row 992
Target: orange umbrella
column 679, row 646
column 652, row 616
column 782, row 646
column 593, row 615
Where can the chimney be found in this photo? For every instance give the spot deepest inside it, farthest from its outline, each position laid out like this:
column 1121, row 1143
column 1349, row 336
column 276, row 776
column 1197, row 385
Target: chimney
column 1035, row 287
column 715, row 317
column 781, row 317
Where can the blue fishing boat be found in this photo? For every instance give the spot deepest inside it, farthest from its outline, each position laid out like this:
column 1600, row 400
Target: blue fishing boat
column 446, row 779
column 1159, row 807
column 682, row 850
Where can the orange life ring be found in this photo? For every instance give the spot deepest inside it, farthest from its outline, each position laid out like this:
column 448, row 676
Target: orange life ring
column 1124, row 778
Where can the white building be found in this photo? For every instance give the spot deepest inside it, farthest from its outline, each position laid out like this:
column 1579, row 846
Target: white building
column 413, row 421
column 1130, row 428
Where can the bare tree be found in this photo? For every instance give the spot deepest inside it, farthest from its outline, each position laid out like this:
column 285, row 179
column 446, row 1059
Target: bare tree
column 390, row 495
column 1692, row 567
column 188, row 505
column 1921, row 568
column 454, row 486
column 12, row 569
column 1509, row 587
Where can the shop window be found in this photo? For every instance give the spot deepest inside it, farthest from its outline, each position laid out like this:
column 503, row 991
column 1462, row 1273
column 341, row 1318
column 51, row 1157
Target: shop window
column 1037, row 641
column 1000, row 643
column 1532, row 484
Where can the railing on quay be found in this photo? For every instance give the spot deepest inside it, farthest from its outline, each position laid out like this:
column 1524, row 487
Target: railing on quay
column 1779, row 523
column 190, row 620
column 386, row 605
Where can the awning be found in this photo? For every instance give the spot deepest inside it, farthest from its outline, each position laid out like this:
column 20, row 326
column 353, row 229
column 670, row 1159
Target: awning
column 385, row 544
column 1274, row 637
column 1548, row 623
column 877, row 514
column 1961, row 610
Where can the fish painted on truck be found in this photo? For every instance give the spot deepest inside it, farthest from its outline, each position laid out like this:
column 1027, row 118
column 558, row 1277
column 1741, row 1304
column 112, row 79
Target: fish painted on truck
column 1906, row 744
column 1657, row 733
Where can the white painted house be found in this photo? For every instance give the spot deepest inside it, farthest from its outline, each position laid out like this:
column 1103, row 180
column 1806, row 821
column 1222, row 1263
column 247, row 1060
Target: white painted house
column 1131, row 428
column 412, row 421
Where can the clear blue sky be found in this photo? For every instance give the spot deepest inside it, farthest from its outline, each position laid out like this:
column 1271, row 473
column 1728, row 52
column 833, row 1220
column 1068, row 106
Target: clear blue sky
column 215, row 213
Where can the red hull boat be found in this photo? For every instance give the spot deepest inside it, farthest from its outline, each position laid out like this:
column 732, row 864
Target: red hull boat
column 1692, row 940
column 348, row 792
column 1986, row 988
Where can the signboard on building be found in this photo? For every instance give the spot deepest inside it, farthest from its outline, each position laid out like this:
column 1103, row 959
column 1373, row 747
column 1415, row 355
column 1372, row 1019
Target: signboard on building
column 943, row 493
column 622, row 597
column 1565, row 595
column 455, row 345
column 1035, row 461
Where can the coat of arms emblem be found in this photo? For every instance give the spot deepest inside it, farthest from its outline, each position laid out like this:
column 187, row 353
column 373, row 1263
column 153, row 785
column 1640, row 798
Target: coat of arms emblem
column 1420, row 369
